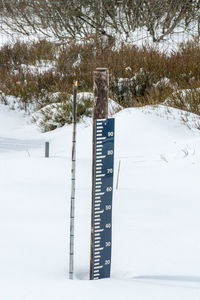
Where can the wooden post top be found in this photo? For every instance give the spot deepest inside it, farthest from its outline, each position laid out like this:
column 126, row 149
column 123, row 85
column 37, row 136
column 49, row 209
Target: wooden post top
column 100, row 103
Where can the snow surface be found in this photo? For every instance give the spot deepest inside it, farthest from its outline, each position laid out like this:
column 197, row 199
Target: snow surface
column 156, row 243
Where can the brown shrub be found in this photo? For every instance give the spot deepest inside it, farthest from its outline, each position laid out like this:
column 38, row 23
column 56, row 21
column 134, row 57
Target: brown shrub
column 138, row 76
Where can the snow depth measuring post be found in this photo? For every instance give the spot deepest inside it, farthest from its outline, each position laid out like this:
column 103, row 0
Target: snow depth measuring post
column 102, row 179
column 73, row 173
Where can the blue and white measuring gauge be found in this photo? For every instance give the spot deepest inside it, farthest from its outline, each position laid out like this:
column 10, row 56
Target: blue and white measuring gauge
column 102, row 198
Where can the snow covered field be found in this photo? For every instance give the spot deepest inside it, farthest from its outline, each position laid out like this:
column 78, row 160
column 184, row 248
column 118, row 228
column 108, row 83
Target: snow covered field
column 156, row 209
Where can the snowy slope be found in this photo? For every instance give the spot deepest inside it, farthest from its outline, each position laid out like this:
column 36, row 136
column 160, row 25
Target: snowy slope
column 156, row 244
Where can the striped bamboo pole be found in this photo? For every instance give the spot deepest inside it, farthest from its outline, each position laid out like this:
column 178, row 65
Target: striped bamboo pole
column 73, row 173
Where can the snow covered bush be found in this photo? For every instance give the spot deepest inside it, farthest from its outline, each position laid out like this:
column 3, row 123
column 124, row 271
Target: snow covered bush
column 188, row 100
column 58, row 114
column 127, row 90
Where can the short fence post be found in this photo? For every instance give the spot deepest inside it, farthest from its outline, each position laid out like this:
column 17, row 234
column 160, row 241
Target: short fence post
column 46, row 149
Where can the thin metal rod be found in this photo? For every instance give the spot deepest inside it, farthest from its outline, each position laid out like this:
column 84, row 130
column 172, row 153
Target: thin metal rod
column 73, row 172
column 117, row 185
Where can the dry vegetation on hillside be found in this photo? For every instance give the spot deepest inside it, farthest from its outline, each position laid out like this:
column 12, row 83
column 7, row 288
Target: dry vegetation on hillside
column 138, row 76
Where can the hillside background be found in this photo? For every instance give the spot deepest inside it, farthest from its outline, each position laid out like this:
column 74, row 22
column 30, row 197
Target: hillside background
column 151, row 49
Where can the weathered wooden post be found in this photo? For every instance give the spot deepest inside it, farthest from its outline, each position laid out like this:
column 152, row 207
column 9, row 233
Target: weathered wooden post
column 102, row 178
